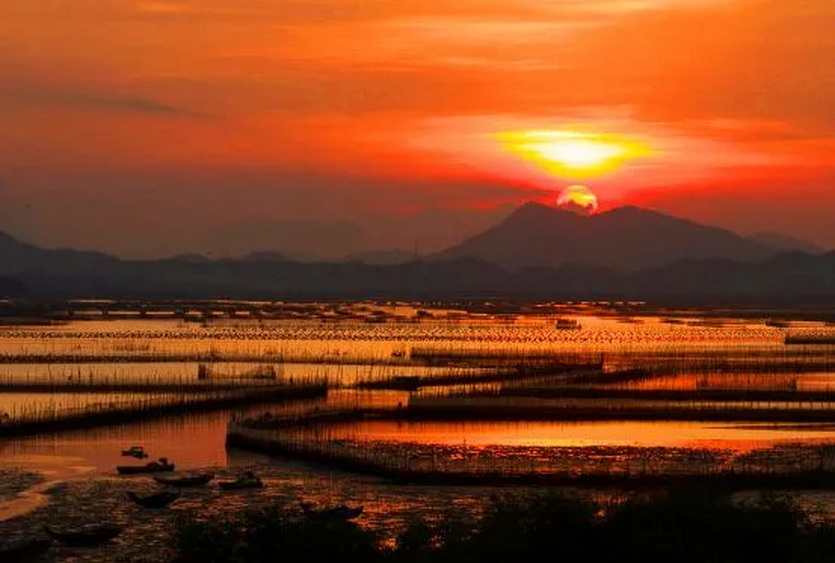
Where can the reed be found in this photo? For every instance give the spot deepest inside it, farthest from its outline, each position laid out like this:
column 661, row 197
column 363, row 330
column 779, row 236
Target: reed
column 555, row 371
column 53, row 417
column 590, row 466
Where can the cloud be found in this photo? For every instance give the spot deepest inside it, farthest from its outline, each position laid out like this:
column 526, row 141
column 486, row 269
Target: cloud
column 141, row 105
column 29, row 95
column 350, row 89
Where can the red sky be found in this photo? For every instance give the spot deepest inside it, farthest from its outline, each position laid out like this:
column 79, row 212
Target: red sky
column 328, row 126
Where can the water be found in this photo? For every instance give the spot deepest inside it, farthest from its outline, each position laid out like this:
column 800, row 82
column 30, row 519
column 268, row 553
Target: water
column 77, row 468
column 663, row 434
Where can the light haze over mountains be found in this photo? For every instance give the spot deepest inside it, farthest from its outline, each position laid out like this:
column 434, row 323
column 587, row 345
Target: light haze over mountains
column 537, row 251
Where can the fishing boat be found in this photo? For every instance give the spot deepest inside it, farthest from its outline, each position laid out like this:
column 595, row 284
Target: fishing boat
column 341, row 512
column 29, row 550
column 567, row 324
column 153, row 467
column 135, row 451
column 187, row 480
column 246, row 481
column 156, row 500
column 85, row 536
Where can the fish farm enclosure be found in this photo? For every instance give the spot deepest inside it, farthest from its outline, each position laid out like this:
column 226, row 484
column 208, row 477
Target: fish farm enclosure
column 444, row 398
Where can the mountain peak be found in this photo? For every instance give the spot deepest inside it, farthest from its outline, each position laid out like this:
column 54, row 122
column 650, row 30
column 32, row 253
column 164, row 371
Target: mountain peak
column 626, row 238
column 531, row 207
column 634, row 211
column 535, row 211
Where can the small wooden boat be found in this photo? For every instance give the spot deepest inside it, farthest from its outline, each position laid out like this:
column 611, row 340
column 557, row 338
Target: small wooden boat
column 85, row 536
column 29, row 550
column 153, row 467
column 567, row 324
column 246, row 481
column 341, row 512
column 156, row 500
column 135, row 451
column 188, row 480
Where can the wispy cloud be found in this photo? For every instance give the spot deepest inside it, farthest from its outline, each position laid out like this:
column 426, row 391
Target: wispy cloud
column 22, row 94
column 723, row 88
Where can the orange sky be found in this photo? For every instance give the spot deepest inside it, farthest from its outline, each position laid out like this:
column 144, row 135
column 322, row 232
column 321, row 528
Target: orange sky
column 335, row 123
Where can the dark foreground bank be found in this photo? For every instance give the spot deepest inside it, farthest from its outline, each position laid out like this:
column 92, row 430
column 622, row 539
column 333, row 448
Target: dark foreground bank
column 689, row 526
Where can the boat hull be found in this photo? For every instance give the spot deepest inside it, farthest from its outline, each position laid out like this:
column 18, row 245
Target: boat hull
column 139, row 469
column 188, row 481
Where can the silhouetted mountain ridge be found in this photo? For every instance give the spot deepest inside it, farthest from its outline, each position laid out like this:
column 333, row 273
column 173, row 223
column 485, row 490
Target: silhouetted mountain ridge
column 626, row 238
column 786, row 277
column 783, row 242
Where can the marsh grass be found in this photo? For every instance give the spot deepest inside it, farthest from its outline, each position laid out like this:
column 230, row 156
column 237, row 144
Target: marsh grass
column 689, row 525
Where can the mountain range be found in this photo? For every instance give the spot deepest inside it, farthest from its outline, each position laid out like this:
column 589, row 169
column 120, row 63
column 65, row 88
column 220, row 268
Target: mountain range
column 627, row 238
column 538, row 252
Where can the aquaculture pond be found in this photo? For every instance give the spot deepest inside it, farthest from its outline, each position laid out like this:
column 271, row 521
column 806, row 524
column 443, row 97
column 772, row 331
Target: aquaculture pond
column 346, row 403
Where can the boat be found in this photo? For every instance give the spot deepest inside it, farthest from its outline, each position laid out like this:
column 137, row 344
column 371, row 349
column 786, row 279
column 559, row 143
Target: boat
column 85, row 536
column 187, row 480
column 567, row 324
column 135, row 451
column 246, row 481
column 29, row 550
column 155, row 500
column 341, row 512
column 153, row 467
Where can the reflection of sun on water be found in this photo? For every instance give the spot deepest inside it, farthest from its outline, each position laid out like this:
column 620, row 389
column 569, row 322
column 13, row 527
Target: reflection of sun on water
column 573, row 154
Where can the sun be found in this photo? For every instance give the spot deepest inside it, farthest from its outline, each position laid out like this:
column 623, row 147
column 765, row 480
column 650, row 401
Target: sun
column 578, row 198
column 577, row 153
column 573, row 154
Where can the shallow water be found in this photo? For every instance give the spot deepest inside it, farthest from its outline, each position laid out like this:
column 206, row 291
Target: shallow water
column 666, row 434
column 82, row 487
column 79, row 466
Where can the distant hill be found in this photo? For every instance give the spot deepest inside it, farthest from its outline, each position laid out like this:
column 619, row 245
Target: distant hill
column 789, row 277
column 265, row 256
column 10, row 287
column 785, row 242
column 381, row 257
column 191, row 258
column 17, row 257
column 626, row 239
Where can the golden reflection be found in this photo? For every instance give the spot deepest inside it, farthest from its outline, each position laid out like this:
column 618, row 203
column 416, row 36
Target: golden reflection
column 666, row 434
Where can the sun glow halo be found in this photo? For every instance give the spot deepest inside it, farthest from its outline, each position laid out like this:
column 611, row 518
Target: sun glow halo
column 580, row 197
column 573, row 154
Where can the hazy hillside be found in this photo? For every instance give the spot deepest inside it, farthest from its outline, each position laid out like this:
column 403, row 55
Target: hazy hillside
column 626, row 238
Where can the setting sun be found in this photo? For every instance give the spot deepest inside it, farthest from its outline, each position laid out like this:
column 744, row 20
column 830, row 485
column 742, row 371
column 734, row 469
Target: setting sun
column 580, row 197
column 573, row 154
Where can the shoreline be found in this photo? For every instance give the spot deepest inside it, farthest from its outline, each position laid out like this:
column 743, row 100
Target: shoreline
column 812, row 480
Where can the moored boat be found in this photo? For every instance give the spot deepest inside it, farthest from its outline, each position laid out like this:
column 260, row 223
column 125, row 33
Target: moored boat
column 135, row 451
column 567, row 324
column 153, row 467
column 187, row 480
column 246, row 481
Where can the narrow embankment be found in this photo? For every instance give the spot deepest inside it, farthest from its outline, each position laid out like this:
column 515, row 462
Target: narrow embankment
column 184, row 404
